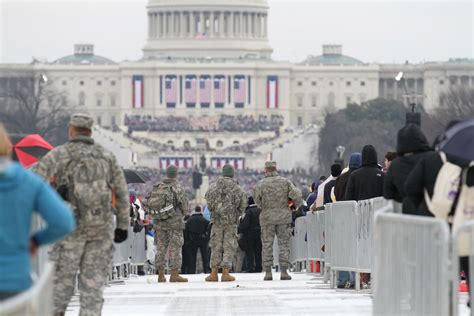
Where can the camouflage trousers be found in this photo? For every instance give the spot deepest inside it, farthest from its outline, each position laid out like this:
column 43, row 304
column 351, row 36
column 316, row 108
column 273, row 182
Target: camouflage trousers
column 223, row 244
column 283, row 234
column 172, row 238
column 92, row 259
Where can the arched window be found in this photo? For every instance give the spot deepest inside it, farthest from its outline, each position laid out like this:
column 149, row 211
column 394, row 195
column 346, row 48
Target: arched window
column 219, row 144
column 331, row 99
column 82, row 98
column 236, row 142
column 170, row 143
column 187, row 144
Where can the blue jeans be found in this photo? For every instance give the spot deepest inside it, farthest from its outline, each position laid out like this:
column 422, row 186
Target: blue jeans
column 344, row 276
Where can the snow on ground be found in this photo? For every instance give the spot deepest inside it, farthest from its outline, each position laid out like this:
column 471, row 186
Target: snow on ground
column 306, row 294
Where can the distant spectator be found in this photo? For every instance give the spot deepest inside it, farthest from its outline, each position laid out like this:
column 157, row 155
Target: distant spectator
column 412, row 146
column 366, row 182
column 314, row 191
column 197, row 232
column 389, row 157
column 336, row 170
column 250, row 228
column 23, row 193
column 355, row 162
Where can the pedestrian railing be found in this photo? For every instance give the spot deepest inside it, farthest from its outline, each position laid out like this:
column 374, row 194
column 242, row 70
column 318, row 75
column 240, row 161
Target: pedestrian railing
column 339, row 237
column 411, row 265
column 38, row 300
column 128, row 255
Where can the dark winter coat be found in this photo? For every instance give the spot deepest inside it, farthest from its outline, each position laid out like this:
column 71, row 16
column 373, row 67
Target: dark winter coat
column 412, row 147
column 250, row 223
column 355, row 163
column 366, row 182
column 327, row 191
column 196, row 227
column 424, row 175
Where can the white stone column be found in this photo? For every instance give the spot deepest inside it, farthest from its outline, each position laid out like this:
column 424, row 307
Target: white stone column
column 230, row 24
column 165, row 24
column 260, row 25
column 221, row 24
column 150, row 25
column 254, row 25
column 182, row 29
column 173, row 24
column 211, row 24
column 249, row 24
column 241, row 24
column 192, row 24
column 201, row 22
column 265, row 26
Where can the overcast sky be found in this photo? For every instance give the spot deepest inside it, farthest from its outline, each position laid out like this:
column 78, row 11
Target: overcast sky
column 373, row 31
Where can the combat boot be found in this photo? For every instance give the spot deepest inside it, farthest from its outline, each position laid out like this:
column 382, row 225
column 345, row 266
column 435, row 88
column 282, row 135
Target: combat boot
column 213, row 277
column 226, row 277
column 175, row 277
column 161, row 276
column 284, row 274
column 268, row 274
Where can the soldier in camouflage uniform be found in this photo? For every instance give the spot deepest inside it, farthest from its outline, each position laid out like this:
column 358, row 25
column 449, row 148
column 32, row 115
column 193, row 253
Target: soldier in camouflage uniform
column 169, row 231
column 90, row 179
column 271, row 195
column 226, row 201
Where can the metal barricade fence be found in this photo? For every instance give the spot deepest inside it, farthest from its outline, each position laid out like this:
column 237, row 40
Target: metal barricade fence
column 300, row 237
column 38, row 300
column 328, row 231
column 315, row 223
column 344, row 220
column 129, row 254
column 411, row 265
column 465, row 234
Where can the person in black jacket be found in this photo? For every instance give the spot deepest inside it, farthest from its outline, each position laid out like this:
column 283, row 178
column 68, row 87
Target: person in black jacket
column 412, row 147
column 366, row 182
column 336, row 171
column 355, row 162
column 197, row 231
column 250, row 227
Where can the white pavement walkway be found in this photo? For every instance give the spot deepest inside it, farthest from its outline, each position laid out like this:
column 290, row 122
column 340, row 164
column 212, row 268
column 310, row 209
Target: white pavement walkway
column 306, row 294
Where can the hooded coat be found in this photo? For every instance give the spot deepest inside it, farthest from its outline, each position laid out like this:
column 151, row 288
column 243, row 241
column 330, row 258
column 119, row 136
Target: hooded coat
column 412, row 146
column 366, row 182
column 423, row 176
column 341, row 182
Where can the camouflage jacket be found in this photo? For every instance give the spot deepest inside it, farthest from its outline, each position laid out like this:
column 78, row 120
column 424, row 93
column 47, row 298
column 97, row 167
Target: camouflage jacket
column 175, row 222
column 54, row 164
column 226, row 201
column 271, row 195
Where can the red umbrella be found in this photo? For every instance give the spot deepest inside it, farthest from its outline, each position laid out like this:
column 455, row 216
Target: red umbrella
column 29, row 149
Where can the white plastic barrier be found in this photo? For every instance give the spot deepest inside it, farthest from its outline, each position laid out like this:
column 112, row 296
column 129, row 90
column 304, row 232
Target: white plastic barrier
column 301, row 255
column 38, row 300
column 328, row 232
column 411, row 265
column 129, row 254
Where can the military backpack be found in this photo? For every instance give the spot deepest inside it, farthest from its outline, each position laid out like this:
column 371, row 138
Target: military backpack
column 86, row 177
column 162, row 203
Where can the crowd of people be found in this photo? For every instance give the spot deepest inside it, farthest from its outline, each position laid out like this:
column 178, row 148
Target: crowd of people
column 428, row 180
column 223, row 123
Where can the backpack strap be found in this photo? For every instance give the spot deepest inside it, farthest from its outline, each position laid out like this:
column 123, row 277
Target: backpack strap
column 444, row 159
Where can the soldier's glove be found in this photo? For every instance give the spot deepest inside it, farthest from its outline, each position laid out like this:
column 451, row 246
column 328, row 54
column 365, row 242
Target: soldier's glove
column 120, row 235
column 302, row 210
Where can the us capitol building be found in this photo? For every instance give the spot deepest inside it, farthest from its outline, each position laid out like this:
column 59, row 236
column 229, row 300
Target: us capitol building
column 208, row 58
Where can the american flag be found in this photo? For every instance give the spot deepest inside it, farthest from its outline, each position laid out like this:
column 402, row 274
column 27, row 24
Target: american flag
column 239, row 90
column 219, row 90
column 180, row 162
column 171, row 90
column 272, row 92
column 138, row 94
column 237, row 162
column 190, row 91
column 205, row 90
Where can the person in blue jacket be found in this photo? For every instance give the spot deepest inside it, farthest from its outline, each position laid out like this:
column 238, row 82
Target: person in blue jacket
column 21, row 194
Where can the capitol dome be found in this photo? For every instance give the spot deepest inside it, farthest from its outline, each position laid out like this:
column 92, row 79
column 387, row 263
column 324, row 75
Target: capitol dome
column 228, row 29
column 332, row 55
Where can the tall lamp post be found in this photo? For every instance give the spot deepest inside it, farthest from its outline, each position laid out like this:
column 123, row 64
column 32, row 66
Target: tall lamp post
column 340, row 153
column 411, row 117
